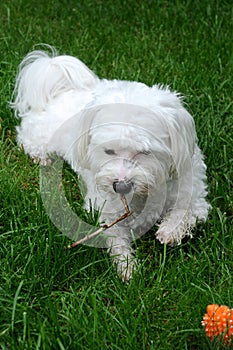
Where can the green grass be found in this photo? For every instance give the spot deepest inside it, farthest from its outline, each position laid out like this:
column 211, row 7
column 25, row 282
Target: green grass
column 52, row 298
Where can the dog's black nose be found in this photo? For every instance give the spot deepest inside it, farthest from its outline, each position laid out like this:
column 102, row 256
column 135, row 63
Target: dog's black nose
column 122, row 187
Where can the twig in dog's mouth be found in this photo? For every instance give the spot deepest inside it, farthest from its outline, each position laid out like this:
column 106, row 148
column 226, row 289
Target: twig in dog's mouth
column 105, row 226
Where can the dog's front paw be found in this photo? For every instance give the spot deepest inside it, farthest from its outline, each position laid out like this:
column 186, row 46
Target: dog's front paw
column 126, row 268
column 173, row 237
column 175, row 227
column 165, row 237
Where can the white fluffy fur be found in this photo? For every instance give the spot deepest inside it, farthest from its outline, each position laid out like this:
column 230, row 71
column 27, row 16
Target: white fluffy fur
column 115, row 131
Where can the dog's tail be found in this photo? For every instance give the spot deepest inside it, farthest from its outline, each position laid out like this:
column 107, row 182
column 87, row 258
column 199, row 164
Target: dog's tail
column 42, row 77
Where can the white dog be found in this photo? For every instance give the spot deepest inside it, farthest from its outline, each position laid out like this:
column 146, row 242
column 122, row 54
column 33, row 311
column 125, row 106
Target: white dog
column 123, row 138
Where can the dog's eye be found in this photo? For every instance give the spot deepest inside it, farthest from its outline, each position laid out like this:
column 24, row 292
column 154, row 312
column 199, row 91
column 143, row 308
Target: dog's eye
column 146, row 153
column 141, row 153
column 110, row 152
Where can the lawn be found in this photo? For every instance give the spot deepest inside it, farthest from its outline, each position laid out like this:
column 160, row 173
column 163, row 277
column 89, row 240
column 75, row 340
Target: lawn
column 52, row 298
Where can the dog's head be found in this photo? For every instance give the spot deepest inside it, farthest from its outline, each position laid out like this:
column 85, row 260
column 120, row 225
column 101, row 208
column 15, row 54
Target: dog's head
column 131, row 148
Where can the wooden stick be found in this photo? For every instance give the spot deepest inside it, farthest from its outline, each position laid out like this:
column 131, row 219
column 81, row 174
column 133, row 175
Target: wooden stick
column 104, row 227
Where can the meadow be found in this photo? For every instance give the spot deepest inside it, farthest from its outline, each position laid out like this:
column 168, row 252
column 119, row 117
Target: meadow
column 52, row 298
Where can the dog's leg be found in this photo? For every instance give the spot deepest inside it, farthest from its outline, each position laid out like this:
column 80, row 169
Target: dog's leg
column 189, row 205
column 119, row 247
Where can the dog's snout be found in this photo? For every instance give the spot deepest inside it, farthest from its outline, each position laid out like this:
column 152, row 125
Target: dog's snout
column 122, row 187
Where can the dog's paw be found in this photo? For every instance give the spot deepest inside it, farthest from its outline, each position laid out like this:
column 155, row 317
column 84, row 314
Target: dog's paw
column 166, row 238
column 177, row 225
column 172, row 237
column 126, row 268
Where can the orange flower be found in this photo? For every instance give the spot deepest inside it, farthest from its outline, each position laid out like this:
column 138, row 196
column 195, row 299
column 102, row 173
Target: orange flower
column 218, row 322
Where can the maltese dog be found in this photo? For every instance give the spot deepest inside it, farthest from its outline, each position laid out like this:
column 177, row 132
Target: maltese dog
column 124, row 139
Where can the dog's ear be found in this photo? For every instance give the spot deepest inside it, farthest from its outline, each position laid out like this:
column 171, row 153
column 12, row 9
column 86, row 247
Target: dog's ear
column 182, row 134
column 78, row 150
column 178, row 122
